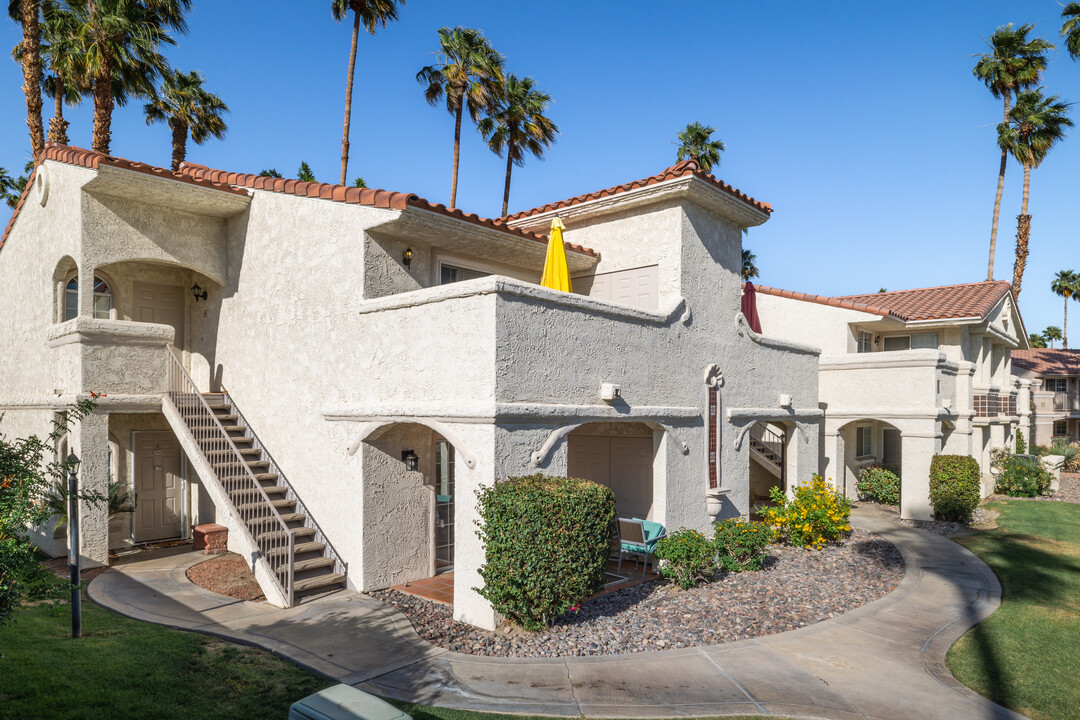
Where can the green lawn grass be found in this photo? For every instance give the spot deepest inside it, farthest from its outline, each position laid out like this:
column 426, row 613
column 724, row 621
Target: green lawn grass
column 1025, row 656
column 123, row 668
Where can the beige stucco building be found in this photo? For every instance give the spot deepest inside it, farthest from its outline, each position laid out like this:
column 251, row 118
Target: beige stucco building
column 1054, row 374
column 333, row 373
column 909, row 374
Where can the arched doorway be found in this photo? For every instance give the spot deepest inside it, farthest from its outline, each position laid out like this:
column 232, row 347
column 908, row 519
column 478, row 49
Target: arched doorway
column 868, row 442
column 768, row 444
column 618, row 455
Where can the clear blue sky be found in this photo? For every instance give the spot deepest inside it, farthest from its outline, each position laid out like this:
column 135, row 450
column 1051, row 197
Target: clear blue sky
column 860, row 122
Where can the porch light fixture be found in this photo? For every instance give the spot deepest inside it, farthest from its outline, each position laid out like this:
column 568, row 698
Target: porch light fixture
column 406, row 257
column 198, row 292
column 411, row 460
column 73, row 544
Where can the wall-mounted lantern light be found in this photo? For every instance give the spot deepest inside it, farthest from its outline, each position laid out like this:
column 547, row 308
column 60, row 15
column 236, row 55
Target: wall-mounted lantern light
column 411, row 460
column 406, row 257
column 877, row 340
column 198, row 292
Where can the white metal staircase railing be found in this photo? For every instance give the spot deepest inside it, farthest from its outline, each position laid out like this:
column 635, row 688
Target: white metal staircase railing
column 340, row 566
column 768, row 445
column 264, row 525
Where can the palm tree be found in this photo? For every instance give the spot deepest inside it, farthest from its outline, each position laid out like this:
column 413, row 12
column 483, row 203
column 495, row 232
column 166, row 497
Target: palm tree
column 1037, row 123
column 369, row 13
column 28, row 14
column 749, row 266
column 304, row 174
column 697, row 145
column 1066, row 284
column 61, row 53
column 517, row 124
column 6, row 186
column 118, row 43
column 269, row 172
column 1051, row 334
column 1014, row 63
column 187, row 107
column 1070, row 29
column 1036, row 340
column 470, row 74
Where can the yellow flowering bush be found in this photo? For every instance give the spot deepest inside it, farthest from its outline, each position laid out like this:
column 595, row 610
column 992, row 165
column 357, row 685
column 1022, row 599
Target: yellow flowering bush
column 816, row 516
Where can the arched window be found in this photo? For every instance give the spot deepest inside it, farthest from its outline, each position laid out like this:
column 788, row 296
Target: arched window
column 103, row 299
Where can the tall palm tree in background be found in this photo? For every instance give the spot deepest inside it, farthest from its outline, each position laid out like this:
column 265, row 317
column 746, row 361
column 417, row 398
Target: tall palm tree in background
column 1051, row 334
column 697, row 145
column 469, row 73
column 60, row 53
column 118, row 43
column 749, row 265
column 188, row 108
column 369, row 13
column 1070, row 29
column 1037, row 123
column 1013, row 64
column 6, row 184
column 28, row 14
column 517, row 124
column 1035, row 340
column 1066, row 284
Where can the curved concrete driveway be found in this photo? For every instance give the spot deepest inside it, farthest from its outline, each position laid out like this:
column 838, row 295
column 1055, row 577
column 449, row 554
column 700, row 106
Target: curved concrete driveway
column 884, row 660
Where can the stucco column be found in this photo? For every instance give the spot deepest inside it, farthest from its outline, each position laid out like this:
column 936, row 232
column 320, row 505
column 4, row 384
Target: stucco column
column 1023, row 408
column 89, row 439
column 917, row 450
column 834, row 469
column 469, row 606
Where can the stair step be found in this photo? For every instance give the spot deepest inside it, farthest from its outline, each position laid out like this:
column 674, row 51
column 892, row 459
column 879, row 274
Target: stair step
column 320, row 581
column 298, row 549
column 266, row 476
column 246, row 452
column 276, row 503
column 313, row 564
column 297, row 534
column 249, row 492
column 234, row 428
column 226, row 418
column 250, row 463
column 291, row 517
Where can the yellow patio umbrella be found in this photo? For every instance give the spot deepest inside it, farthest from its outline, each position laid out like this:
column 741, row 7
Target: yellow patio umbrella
column 556, row 275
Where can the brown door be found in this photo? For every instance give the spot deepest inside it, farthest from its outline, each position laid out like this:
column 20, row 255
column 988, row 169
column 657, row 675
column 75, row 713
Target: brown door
column 161, row 304
column 158, row 498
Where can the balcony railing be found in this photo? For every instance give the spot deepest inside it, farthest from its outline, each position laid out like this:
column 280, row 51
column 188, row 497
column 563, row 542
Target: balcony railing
column 1066, row 402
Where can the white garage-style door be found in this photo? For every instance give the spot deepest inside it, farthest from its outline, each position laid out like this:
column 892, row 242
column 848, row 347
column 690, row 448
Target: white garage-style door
column 620, row 462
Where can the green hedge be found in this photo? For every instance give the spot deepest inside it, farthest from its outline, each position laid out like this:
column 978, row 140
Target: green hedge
column 879, row 483
column 546, row 543
column 1023, row 477
column 954, row 486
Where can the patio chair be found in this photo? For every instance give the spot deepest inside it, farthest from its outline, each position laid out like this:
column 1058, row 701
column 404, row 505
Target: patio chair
column 638, row 537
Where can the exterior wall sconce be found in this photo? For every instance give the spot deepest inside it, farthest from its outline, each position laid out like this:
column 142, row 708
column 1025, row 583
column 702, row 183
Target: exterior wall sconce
column 406, row 257
column 198, row 292
column 877, row 340
column 411, row 460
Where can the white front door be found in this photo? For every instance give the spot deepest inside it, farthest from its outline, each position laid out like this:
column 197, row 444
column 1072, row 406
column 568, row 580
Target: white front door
column 158, row 485
column 161, row 304
column 623, row 464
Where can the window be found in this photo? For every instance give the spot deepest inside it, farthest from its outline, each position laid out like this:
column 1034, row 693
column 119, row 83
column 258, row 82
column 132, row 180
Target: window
column 865, row 341
column 862, row 441
column 912, row 342
column 1061, row 427
column 1058, row 385
column 898, row 342
column 452, row 274
column 103, row 299
column 924, row 340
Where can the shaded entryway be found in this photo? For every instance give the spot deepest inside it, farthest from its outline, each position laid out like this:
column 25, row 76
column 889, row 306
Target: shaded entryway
column 620, row 456
column 768, row 443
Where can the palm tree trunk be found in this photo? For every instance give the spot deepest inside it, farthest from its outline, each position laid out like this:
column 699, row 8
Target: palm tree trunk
column 997, row 199
column 348, row 98
column 457, row 153
column 506, row 188
column 57, row 124
column 1065, row 326
column 32, row 74
column 103, row 108
column 179, row 145
column 1023, row 233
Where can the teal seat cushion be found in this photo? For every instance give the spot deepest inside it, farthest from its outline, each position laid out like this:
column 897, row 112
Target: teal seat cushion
column 653, row 532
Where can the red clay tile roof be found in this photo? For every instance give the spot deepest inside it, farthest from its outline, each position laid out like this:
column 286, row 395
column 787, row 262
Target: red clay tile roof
column 1048, row 361
column 682, row 169
column 934, row 303
column 360, row 196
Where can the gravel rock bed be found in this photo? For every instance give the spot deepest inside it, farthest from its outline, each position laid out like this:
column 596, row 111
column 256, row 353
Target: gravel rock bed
column 797, row 588
column 950, row 527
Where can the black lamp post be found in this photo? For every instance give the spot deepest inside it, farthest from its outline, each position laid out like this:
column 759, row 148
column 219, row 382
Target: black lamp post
column 73, row 544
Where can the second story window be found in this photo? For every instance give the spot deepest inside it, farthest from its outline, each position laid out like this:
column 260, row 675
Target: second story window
column 864, row 341
column 103, row 299
column 1058, row 385
column 452, row 274
column 898, row 342
column 912, row 342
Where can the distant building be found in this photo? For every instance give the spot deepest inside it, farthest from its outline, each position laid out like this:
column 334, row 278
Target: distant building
column 1055, row 391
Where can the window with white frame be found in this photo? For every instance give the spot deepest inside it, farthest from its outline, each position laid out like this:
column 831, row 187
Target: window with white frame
column 1061, row 427
column 864, row 341
column 454, row 273
column 898, row 342
column 862, row 441
column 911, row 342
column 1058, row 385
column 103, row 299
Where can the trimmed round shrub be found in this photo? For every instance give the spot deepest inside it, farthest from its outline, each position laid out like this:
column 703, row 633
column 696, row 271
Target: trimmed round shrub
column 687, row 557
column 879, row 483
column 1023, row 477
column 816, row 516
column 546, row 545
column 954, row 486
column 741, row 545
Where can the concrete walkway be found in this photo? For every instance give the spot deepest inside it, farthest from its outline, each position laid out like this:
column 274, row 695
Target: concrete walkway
column 884, row 660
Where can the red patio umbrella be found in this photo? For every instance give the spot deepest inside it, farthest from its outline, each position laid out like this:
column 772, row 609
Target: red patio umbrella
column 749, row 306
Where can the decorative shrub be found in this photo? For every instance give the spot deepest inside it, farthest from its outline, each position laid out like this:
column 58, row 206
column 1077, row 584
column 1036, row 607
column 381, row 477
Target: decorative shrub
column 1021, row 443
column 741, row 545
column 546, row 543
column 1023, row 477
column 816, row 516
column 1070, row 452
column 954, row 486
column 687, row 556
column 879, row 483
